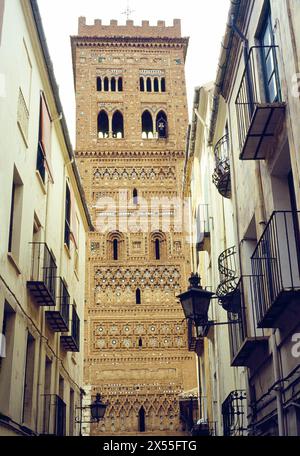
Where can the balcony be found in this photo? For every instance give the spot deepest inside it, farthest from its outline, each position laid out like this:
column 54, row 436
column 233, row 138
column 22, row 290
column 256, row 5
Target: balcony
column 54, row 416
column 58, row 318
column 203, row 228
column 42, row 275
column 276, row 270
column 247, row 343
column 221, row 177
column 234, row 412
column 193, row 414
column 227, row 291
column 72, row 342
column 260, row 111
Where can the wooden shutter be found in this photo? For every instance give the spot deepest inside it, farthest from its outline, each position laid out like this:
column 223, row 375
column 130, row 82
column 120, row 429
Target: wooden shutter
column 45, row 135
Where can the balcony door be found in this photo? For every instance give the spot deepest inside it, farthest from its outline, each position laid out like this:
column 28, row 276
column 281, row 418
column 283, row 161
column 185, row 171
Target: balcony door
column 295, row 215
column 269, row 62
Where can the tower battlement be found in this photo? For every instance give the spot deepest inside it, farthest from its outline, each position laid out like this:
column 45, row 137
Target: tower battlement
column 130, row 29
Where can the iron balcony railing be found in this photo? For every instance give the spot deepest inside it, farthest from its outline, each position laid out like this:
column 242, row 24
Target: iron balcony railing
column 194, row 414
column 72, row 342
column 244, row 337
column 254, row 92
column 221, row 176
column 54, row 416
column 276, row 267
column 228, row 276
column 58, row 318
column 43, row 273
column 234, row 412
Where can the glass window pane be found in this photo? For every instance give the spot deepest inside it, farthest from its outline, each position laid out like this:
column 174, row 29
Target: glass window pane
column 270, row 65
column 273, row 90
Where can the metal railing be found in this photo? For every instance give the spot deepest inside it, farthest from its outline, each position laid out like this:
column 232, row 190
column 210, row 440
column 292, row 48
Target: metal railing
column 58, row 316
column 64, row 301
column 75, row 332
column 243, row 325
column 194, row 413
column 228, row 274
column 234, row 412
column 71, row 342
column 252, row 91
column 54, row 415
column 276, row 263
column 43, row 268
column 221, row 176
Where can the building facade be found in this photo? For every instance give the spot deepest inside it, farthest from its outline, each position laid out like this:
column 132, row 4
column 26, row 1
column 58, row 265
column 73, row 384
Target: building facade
column 254, row 136
column 44, row 220
column 131, row 129
column 213, row 240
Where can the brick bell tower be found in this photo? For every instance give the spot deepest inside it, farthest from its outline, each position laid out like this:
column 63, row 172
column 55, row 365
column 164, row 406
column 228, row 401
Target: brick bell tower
column 131, row 128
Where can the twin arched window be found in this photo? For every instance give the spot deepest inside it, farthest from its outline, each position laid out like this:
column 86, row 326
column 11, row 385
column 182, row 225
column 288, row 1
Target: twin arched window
column 109, row 84
column 113, row 127
column 103, row 125
column 161, row 125
column 110, row 128
column 147, row 125
column 117, row 125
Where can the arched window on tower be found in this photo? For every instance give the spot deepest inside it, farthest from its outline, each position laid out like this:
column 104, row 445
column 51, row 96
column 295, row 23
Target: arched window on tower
column 115, row 246
column 118, row 125
column 162, row 125
column 158, row 246
column 142, row 84
column 140, row 342
column 163, row 84
column 113, row 85
column 103, row 125
column 138, row 297
column 142, row 424
column 135, row 196
column 120, row 84
column 115, row 249
column 99, row 84
column 156, row 85
column 157, row 249
column 149, row 85
column 106, row 84
column 147, row 125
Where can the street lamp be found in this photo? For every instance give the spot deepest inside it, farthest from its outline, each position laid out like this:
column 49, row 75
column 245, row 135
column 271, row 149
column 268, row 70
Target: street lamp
column 195, row 304
column 98, row 409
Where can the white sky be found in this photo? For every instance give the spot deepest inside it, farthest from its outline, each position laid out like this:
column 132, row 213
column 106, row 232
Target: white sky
column 203, row 21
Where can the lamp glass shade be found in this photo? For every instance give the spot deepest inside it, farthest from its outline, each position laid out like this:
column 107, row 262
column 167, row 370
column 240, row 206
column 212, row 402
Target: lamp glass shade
column 195, row 304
